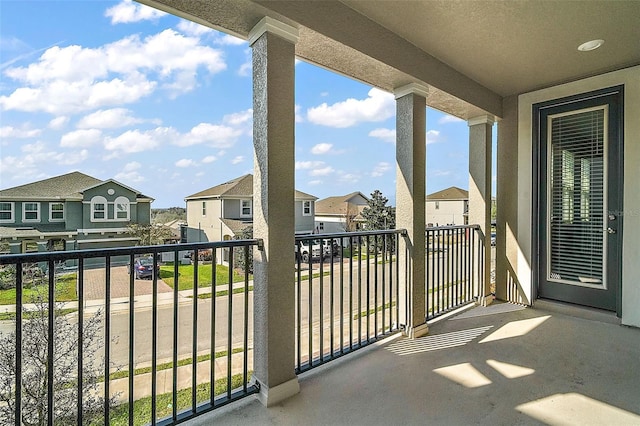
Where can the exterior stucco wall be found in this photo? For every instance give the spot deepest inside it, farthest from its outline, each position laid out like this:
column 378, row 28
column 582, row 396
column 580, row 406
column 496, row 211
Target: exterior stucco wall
column 304, row 223
column 630, row 78
column 449, row 212
column 209, row 224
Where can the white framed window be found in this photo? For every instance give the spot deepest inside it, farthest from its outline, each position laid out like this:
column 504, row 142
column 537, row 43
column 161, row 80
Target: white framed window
column 245, row 208
column 122, row 208
column 321, row 226
column 204, row 208
column 31, row 212
column 56, row 212
column 7, row 212
column 98, row 209
column 437, row 205
column 306, row 208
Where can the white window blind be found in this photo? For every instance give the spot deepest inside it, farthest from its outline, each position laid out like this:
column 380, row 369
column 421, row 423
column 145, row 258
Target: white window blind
column 576, row 195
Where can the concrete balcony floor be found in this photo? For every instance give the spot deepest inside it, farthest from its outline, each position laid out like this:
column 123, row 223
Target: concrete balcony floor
column 503, row 364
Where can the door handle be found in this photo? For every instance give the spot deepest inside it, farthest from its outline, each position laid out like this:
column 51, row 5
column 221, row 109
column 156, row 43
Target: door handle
column 609, row 230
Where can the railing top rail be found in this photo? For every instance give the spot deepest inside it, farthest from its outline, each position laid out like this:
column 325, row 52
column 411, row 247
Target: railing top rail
column 337, row 235
column 449, row 227
column 8, row 259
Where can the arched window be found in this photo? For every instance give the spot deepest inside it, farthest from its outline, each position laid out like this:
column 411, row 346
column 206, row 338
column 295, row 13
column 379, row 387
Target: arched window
column 98, row 209
column 122, row 209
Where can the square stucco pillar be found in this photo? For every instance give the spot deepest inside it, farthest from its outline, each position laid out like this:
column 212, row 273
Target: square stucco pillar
column 411, row 154
column 480, row 135
column 273, row 46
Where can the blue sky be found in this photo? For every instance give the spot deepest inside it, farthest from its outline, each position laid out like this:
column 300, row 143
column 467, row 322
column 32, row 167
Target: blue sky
column 119, row 90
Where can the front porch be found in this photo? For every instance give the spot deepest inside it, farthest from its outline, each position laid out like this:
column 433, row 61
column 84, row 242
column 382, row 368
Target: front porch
column 501, row 364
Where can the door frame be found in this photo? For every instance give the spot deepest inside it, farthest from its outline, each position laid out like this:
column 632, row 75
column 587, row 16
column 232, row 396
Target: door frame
column 618, row 93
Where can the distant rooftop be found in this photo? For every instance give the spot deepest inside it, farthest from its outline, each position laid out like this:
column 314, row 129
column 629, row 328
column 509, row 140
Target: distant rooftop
column 449, row 194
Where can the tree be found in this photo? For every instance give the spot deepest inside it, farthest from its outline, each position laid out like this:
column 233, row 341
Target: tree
column 35, row 341
column 379, row 216
column 150, row 234
column 238, row 252
column 350, row 224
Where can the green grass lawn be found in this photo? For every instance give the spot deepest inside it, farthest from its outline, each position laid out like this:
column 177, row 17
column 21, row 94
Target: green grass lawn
column 205, row 274
column 142, row 407
column 65, row 291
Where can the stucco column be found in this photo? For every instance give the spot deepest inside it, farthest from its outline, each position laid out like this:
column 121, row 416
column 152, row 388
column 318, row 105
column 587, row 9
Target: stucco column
column 273, row 46
column 411, row 113
column 480, row 129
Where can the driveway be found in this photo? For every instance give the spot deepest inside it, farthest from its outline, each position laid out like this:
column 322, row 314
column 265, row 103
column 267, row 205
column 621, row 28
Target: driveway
column 94, row 284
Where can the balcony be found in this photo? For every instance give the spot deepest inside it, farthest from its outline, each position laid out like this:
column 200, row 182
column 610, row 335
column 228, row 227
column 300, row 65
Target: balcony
column 501, row 364
column 187, row 345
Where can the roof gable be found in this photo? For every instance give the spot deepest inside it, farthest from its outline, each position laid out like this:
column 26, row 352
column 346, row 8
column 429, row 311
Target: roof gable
column 241, row 187
column 340, row 205
column 69, row 185
column 452, row 193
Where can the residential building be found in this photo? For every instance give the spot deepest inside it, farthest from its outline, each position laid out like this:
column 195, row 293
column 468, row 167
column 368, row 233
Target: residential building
column 448, row 207
column 222, row 211
column 340, row 213
column 71, row 212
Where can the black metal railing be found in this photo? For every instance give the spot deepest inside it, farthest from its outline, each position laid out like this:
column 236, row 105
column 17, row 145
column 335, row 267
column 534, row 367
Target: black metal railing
column 347, row 293
column 111, row 354
column 454, row 268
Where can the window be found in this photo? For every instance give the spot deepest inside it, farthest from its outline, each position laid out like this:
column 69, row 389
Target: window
column 98, row 209
column 31, row 212
column 56, row 211
column 245, row 209
column 437, row 205
column 321, row 226
column 6, row 212
column 122, row 208
column 306, row 208
column 204, row 208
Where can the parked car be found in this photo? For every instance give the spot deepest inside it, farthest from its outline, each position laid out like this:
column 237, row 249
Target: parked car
column 143, row 268
column 493, row 238
column 318, row 246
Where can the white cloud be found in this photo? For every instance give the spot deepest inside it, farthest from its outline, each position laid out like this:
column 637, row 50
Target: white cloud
column 322, row 172
column 239, row 118
column 217, row 136
column 74, row 157
column 237, row 160
column 299, row 117
column 193, row 28
column 349, row 178
column 247, row 66
column 185, row 162
column 75, row 79
column 378, row 106
column 230, row 40
column 380, row 169
column 81, row 138
column 321, row 148
column 22, row 133
column 433, row 136
column 209, row 159
column 58, row 122
column 130, row 173
column 386, row 135
column 137, row 141
column 306, row 165
column 35, row 157
column 315, row 182
column 126, row 12
column 450, row 119
column 108, row 119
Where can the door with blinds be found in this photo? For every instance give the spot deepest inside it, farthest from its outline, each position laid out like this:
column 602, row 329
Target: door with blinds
column 580, row 200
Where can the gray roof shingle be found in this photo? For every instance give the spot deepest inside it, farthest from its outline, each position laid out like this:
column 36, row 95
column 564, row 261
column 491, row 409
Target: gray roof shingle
column 239, row 187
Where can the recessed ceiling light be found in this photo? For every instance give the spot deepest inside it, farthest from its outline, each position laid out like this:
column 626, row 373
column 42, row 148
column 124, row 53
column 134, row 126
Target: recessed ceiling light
column 590, row 45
